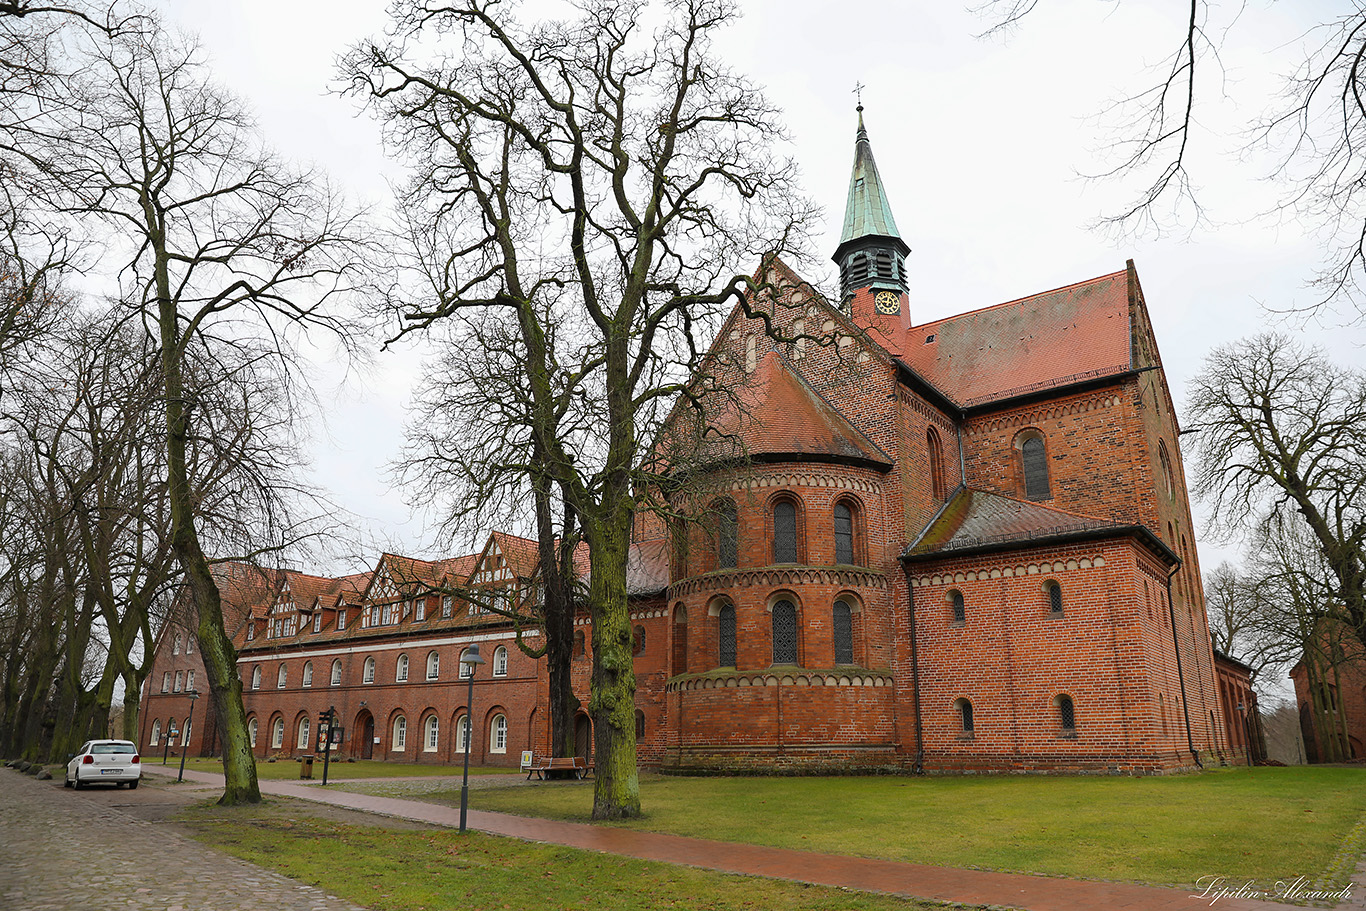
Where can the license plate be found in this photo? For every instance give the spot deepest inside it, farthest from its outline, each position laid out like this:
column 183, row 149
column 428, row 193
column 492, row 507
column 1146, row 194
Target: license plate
column 109, row 771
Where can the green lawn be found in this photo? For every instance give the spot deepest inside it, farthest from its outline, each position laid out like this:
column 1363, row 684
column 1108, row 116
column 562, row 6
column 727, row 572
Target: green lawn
column 1263, row 824
column 339, row 771
column 391, row 870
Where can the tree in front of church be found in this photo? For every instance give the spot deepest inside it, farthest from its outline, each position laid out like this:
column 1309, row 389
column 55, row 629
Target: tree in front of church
column 596, row 183
column 222, row 252
column 1280, row 438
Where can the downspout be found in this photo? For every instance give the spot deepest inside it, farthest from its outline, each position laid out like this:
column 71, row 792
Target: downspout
column 1176, row 647
column 962, row 461
column 918, row 767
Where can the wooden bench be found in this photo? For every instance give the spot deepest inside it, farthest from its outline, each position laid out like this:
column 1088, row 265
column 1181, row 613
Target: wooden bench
column 542, row 764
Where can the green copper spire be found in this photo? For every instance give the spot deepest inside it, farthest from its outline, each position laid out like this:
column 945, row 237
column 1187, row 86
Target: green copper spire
column 867, row 213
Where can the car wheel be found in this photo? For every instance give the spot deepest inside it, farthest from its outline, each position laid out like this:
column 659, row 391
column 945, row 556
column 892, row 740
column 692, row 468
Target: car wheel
column 132, row 785
column 78, row 783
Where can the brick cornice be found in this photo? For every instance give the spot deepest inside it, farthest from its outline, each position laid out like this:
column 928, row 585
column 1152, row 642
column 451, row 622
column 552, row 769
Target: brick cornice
column 778, row 577
column 854, row 677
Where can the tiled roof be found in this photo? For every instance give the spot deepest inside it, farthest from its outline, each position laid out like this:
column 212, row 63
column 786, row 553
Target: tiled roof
column 1047, row 340
column 522, row 554
column 973, row 519
column 778, row 414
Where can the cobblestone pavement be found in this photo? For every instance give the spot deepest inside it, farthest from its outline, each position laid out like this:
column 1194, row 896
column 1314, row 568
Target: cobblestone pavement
column 66, row 851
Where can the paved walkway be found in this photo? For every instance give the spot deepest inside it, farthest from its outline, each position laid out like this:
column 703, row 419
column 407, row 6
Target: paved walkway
column 62, row 850
column 974, row 887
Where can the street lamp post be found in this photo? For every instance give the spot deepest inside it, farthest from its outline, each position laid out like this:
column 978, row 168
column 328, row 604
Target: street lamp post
column 189, row 726
column 471, row 660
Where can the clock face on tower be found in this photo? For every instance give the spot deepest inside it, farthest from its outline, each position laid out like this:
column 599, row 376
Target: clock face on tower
column 887, row 302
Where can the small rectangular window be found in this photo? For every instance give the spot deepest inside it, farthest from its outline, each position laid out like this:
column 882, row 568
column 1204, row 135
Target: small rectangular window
column 317, row 621
column 341, row 619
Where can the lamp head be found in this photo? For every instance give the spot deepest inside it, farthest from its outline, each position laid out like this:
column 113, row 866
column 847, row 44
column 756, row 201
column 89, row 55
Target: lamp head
column 472, row 656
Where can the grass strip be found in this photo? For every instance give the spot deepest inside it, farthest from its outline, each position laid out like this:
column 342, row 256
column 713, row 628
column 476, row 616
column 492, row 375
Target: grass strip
column 389, row 870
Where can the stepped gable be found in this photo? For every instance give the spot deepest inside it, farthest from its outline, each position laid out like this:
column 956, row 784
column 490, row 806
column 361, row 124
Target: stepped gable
column 777, row 416
column 974, row 519
column 1048, row 340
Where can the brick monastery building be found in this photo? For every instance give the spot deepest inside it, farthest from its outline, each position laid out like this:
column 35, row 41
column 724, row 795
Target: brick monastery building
column 949, row 546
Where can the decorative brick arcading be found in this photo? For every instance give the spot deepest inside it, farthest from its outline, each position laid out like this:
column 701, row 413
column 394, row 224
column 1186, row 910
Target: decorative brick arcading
column 1018, row 569
column 768, row 678
column 1046, row 412
column 786, row 577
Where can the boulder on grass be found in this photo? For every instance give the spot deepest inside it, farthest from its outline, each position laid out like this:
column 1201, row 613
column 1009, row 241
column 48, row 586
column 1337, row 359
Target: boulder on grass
column 44, row 775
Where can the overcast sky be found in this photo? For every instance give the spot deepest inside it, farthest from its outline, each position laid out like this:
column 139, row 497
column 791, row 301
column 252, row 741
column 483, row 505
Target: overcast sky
column 979, row 142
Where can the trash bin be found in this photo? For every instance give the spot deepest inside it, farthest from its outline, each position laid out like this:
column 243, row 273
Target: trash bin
column 306, row 768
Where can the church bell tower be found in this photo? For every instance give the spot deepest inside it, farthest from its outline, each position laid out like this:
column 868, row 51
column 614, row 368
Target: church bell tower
column 871, row 254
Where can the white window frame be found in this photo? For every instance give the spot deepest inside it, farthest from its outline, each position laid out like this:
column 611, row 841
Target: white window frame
column 447, row 607
column 401, row 669
column 498, row 734
column 179, row 678
column 399, row 735
column 341, row 619
column 189, row 645
column 308, row 674
column 462, row 733
column 368, row 675
column 317, row 621
column 166, row 682
column 420, row 609
column 189, row 680
column 156, row 732
column 500, row 661
column 252, row 727
column 336, row 672
column 431, row 734
column 256, row 677
column 433, row 665
column 277, row 734
column 282, row 677
column 175, row 644
column 466, row 670
column 305, row 728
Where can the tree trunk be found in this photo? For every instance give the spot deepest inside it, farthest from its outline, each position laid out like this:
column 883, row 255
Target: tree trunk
column 616, row 792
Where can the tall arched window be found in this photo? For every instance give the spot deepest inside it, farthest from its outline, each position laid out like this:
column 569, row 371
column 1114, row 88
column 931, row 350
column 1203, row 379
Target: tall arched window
column 500, row 661
column 462, row 733
column 251, row 732
column 1034, row 468
column 727, row 533
column 785, row 532
column 175, row 644
column 725, row 636
column 1054, row 592
column 784, row 632
column 336, row 672
column 302, row 742
column 308, row 673
column 638, row 640
column 1067, row 715
column 399, row 742
column 368, row 675
column 498, row 734
column 844, row 633
column 277, row 734
column 578, row 643
column 466, row 670
column 1165, row 465
column 256, row 677
column 936, row 450
column 964, row 709
column 433, row 665
column 401, row 669
column 960, row 609
column 432, row 738
column 156, row 732
column 844, row 532
column 282, row 677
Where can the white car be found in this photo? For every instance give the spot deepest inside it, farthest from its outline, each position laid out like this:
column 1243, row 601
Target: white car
column 114, row 761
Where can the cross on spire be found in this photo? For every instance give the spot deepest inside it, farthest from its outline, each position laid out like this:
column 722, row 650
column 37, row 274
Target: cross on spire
column 858, row 92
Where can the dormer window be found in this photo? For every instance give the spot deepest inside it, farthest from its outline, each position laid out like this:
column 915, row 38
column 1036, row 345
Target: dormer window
column 317, row 621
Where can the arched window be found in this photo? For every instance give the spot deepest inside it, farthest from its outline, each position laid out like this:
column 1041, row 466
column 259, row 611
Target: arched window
column 844, row 633
column 466, row 669
column 462, row 734
column 308, row 673
column 336, row 672
column 401, row 669
column 638, row 640
column 1165, row 465
column 277, row 734
column 1034, row 468
column 844, row 533
column 1067, row 715
column 725, row 636
column 302, row 742
column 960, row 609
column 500, row 661
column 399, row 742
column 936, row 451
column 256, row 677
column 640, row 725
column 784, row 632
column 964, row 709
column 156, row 731
column 433, row 665
column 175, row 645
column 1054, row 592
column 498, row 734
column 785, row 532
column 251, row 732
column 578, row 643
column 727, row 533
column 368, row 675
column 282, row 677
column 432, row 737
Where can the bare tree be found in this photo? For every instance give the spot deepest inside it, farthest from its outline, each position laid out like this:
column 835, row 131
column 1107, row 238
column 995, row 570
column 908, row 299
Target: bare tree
column 1314, row 133
column 1280, row 431
column 601, row 179
column 217, row 244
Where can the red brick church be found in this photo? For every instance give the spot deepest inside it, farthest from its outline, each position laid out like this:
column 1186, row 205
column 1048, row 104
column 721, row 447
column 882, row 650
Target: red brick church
column 956, row 545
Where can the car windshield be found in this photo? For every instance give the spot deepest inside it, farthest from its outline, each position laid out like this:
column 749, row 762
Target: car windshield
column 113, row 748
